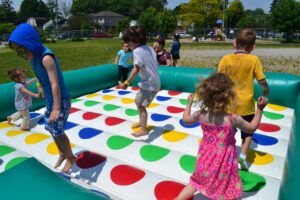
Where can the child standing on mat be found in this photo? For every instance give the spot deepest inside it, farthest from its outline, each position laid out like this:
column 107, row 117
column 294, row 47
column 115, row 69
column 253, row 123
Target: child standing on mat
column 22, row 98
column 26, row 42
column 145, row 64
column 122, row 59
column 216, row 174
column 242, row 68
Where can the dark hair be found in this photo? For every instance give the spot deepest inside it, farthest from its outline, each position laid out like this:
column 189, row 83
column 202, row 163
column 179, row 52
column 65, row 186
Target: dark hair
column 161, row 41
column 176, row 36
column 245, row 39
column 135, row 34
column 216, row 93
column 15, row 73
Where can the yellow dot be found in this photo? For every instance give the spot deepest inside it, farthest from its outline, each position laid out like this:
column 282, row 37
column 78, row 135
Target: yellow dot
column 149, row 127
column 5, row 125
column 174, row 136
column 53, row 150
column 91, row 95
column 108, row 97
column 259, row 158
column 127, row 101
column 153, row 105
column 14, row 133
column 36, row 138
column 276, row 107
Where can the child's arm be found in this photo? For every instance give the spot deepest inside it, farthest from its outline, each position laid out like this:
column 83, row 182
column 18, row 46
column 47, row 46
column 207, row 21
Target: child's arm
column 263, row 83
column 31, row 81
column 247, row 127
column 40, row 89
column 50, row 66
column 187, row 117
column 25, row 91
column 117, row 59
column 133, row 74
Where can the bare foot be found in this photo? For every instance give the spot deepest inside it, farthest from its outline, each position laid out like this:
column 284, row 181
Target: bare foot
column 140, row 133
column 119, row 82
column 70, row 162
column 135, row 125
column 9, row 119
column 59, row 161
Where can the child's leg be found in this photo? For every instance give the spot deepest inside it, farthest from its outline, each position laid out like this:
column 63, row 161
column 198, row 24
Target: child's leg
column 120, row 73
column 26, row 119
column 186, row 193
column 62, row 156
column 67, row 151
column 125, row 73
column 143, row 122
column 14, row 117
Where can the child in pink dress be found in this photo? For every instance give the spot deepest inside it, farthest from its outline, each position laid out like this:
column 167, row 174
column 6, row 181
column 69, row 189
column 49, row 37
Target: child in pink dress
column 216, row 174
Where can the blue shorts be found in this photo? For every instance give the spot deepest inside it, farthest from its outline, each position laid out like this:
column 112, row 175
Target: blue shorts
column 56, row 128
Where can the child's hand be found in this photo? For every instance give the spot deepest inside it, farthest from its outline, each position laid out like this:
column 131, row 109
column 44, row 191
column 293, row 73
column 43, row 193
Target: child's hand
column 41, row 92
column 54, row 116
column 123, row 86
column 37, row 95
column 191, row 98
column 262, row 102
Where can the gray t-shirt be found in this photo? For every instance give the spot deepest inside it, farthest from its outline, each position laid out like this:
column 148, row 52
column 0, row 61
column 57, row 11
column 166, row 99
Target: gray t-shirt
column 145, row 57
column 22, row 101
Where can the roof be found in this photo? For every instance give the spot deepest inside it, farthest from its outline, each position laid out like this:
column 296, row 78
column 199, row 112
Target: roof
column 106, row 14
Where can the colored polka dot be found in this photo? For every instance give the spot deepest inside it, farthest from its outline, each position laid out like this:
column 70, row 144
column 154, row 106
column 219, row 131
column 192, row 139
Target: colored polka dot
column 153, row 153
column 174, row 136
column 123, row 92
column 118, row 142
column 135, row 88
column 70, row 125
column 108, row 97
column 173, row 109
column 125, row 175
column 127, row 101
column 13, row 133
column 118, row 87
column 161, row 98
column 112, row 121
column 86, row 160
column 274, row 116
column 4, row 150
column 73, row 110
column 168, row 190
column 106, row 91
column 90, row 115
column 188, row 163
column 33, row 115
column 15, row 162
column 252, row 182
column 36, row 138
column 110, row 107
column 189, row 125
column 159, row 117
column 264, row 140
column 174, row 93
column 153, row 105
column 268, row 127
column 91, row 103
column 75, row 100
column 276, row 107
column 87, row 133
column 41, row 121
column 131, row 112
column 183, row 102
column 53, row 150
column 259, row 158
column 89, row 96
column 5, row 125
column 149, row 127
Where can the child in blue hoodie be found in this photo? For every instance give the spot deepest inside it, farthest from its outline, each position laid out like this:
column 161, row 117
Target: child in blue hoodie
column 26, row 42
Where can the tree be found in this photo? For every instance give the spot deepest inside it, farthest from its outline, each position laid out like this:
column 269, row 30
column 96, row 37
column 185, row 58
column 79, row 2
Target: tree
column 54, row 10
column 7, row 13
column 33, row 8
column 66, row 9
column 235, row 12
column 254, row 19
column 6, row 28
column 148, row 20
column 273, row 5
column 123, row 24
column 86, row 7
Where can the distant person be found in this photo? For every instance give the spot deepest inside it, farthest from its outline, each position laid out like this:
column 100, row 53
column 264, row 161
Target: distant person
column 242, row 68
column 122, row 59
column 175, row 50
column 163, row 56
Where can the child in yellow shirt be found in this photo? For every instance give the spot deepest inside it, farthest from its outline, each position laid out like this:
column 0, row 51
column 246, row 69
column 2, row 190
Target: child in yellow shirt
column 242, row 68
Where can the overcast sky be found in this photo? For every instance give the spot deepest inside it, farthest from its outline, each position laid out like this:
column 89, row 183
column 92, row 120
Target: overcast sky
column 248, row 4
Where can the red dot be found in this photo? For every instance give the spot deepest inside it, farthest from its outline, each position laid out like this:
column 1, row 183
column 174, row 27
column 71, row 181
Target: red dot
column 174, row 93
column 112, row 121
column 118, row 87
column 268, row 127
column 173, row 109
column 90, row 115
column 168, row 190
column 126, row 175
column 72, row 110
column 135, row 88
column 88, row 159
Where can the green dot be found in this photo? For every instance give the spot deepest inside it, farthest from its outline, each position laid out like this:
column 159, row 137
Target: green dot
column 75, row 100
column 4, row 150
column 14, row 162
column 274, row 116
column 90, row 103
column 188, row 163
column 110, row 107
column 183, row 101
column 131, row 112
column 118, row 142
column 252, row 182
column 153, row 153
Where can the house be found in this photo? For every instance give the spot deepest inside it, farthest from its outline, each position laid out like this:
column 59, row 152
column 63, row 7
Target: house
column 106, row 20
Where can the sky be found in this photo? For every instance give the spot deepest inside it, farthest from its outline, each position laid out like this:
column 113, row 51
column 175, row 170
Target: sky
column 248, row 4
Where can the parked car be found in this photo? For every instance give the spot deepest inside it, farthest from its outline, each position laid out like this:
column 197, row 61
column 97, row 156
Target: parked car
column 184, row 35
column 101, row 35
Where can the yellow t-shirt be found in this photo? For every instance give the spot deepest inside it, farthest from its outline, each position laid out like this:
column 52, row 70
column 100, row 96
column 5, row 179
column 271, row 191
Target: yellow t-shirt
column 242, row 69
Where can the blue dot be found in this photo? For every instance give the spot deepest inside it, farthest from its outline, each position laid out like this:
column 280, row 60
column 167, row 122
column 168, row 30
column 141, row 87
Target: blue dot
column 33, row 115
column 161, row 98
column 189, row 125
column 264, row 140
column 101, row 194
column 106, row 91
column 123, row 92
column 42, row 121
column 87, row 133
column 70, row 125
column 159, row 117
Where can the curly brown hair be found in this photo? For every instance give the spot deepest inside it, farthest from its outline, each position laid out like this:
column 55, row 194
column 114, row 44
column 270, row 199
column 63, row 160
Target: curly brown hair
column 216, row 93
column 135, row 34
column 15, row 73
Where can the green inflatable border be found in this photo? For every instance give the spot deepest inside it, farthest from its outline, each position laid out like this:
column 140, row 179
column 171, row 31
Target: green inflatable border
column 284, row 91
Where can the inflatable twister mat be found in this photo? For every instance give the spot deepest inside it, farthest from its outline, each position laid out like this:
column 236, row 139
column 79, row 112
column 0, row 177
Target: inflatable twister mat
column 119, row 166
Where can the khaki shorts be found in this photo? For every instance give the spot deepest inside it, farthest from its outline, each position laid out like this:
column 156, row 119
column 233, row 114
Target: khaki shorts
column 144, row 97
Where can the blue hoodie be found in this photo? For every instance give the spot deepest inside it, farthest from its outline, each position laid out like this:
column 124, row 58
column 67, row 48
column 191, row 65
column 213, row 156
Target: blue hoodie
column 26, row 36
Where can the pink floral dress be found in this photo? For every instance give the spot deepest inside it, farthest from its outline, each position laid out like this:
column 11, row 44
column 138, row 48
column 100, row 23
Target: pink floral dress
column 216, row 174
